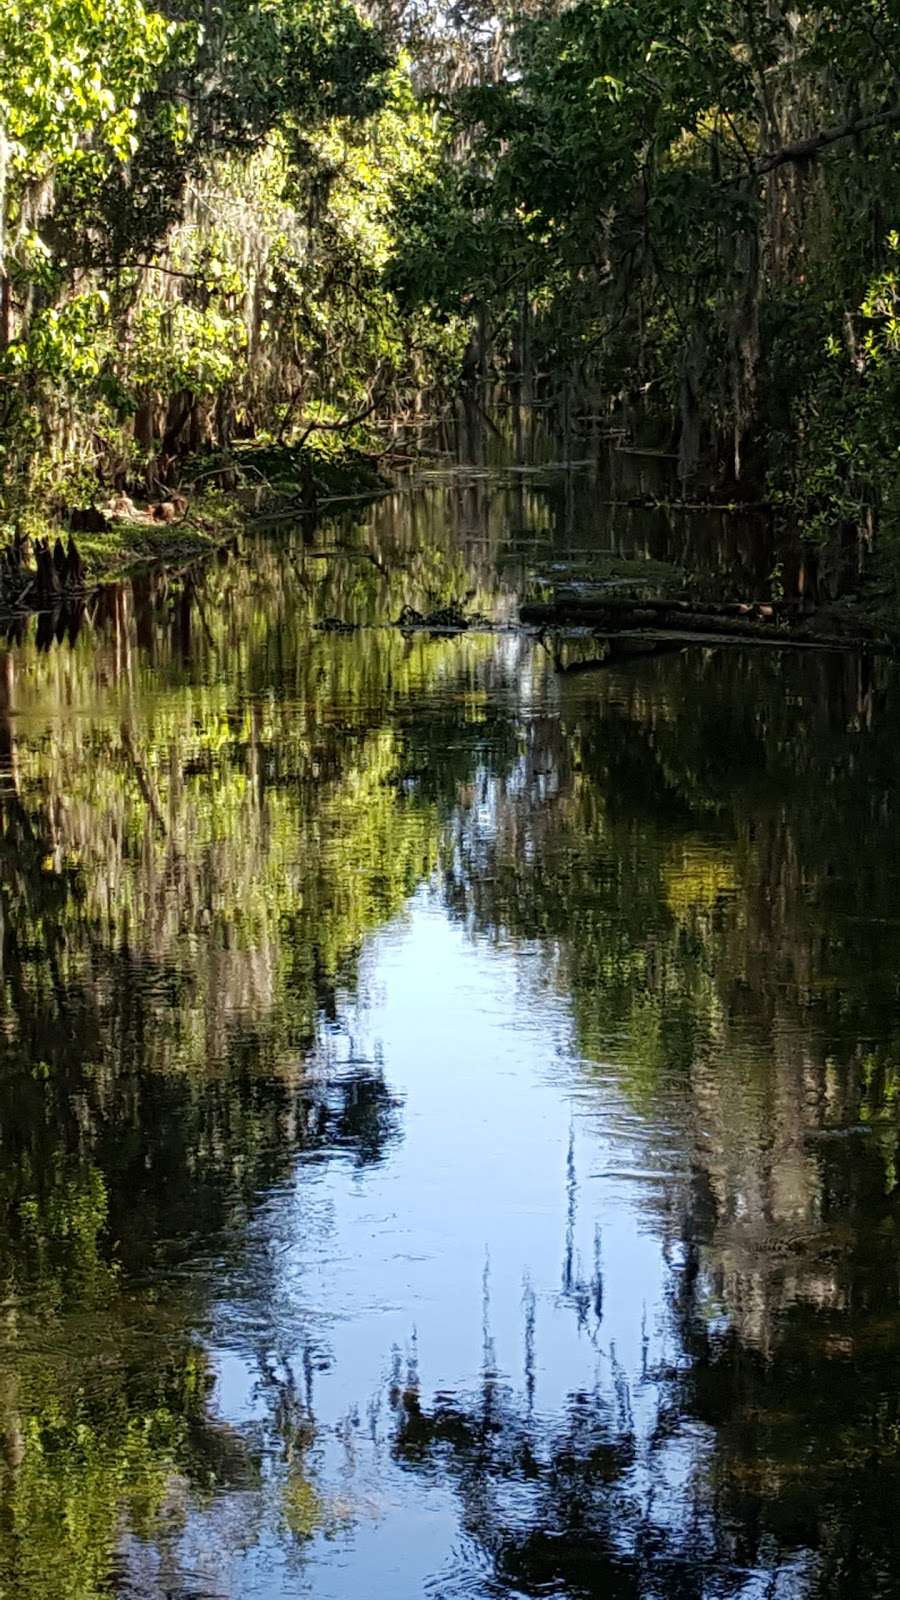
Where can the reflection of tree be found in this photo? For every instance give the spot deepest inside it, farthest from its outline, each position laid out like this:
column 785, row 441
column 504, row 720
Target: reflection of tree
column 675, row 841
column 800, row 1488
column 552, row 1514
column 776, row 1470
column 184, row 889
column 175, row 1170
column 807, row 1456
column 83, row 1447
column 584, row 1502
column 678, row 836
column 187, row 877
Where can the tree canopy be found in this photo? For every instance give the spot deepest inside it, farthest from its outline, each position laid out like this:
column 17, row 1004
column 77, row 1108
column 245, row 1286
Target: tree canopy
column 259, row 219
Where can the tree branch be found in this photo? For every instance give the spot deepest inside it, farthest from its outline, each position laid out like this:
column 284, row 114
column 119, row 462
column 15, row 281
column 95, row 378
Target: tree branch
column 805, row 149
column 152, row 266
column 336, row 427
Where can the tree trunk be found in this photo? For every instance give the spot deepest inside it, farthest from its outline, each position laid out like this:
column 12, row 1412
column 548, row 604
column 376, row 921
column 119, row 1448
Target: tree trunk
column 5, row 298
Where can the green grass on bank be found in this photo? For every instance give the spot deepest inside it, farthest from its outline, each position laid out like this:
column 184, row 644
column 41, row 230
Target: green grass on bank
column 222, row 493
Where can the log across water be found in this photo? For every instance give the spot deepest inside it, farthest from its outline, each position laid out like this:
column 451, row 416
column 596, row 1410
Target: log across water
column 764, row 623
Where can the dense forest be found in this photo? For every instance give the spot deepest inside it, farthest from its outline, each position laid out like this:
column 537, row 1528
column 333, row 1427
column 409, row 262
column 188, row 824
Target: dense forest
column 307, row 222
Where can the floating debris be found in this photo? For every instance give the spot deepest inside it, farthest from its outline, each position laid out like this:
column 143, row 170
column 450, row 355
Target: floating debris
column 336, row 625
column 449, row 618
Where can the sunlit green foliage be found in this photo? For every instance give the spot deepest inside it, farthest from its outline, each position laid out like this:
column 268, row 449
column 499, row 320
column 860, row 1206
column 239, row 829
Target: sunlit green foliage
column 639, row 222
column 73, row 75
column 290, row 215
column 196, row 238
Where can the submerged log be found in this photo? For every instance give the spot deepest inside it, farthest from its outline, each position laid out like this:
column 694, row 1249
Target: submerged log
column 447, row 619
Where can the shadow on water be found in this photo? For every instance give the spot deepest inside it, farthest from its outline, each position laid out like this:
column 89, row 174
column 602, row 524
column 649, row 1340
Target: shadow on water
column 448, row 1109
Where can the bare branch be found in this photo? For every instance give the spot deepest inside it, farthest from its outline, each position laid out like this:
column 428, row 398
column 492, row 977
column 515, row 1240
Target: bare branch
column 805, row 149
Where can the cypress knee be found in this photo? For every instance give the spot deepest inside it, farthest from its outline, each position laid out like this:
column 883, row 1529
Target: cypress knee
column 47, row 577
column 74, row 566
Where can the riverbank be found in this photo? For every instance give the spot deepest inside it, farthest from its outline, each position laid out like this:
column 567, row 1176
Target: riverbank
column 49, row 553
column 600, row 593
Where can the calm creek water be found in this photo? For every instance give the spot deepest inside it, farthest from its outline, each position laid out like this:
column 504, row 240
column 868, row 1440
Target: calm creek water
column 448, row 1107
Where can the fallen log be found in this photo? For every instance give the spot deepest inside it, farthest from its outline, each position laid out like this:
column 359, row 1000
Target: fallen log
column 609, row 619
column 568, row 596
column 585, row 607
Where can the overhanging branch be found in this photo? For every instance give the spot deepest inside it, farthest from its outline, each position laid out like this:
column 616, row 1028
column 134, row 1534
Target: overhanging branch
column 805, row 149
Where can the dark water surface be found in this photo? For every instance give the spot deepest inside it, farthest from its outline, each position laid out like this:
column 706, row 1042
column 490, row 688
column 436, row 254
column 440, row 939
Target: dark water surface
column 449, row 1117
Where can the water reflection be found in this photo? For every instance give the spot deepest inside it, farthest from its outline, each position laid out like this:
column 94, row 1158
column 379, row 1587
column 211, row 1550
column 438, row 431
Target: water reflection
column 448, row 1139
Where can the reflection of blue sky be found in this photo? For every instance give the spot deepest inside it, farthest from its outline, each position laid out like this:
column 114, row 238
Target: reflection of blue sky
column 510, row 1172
